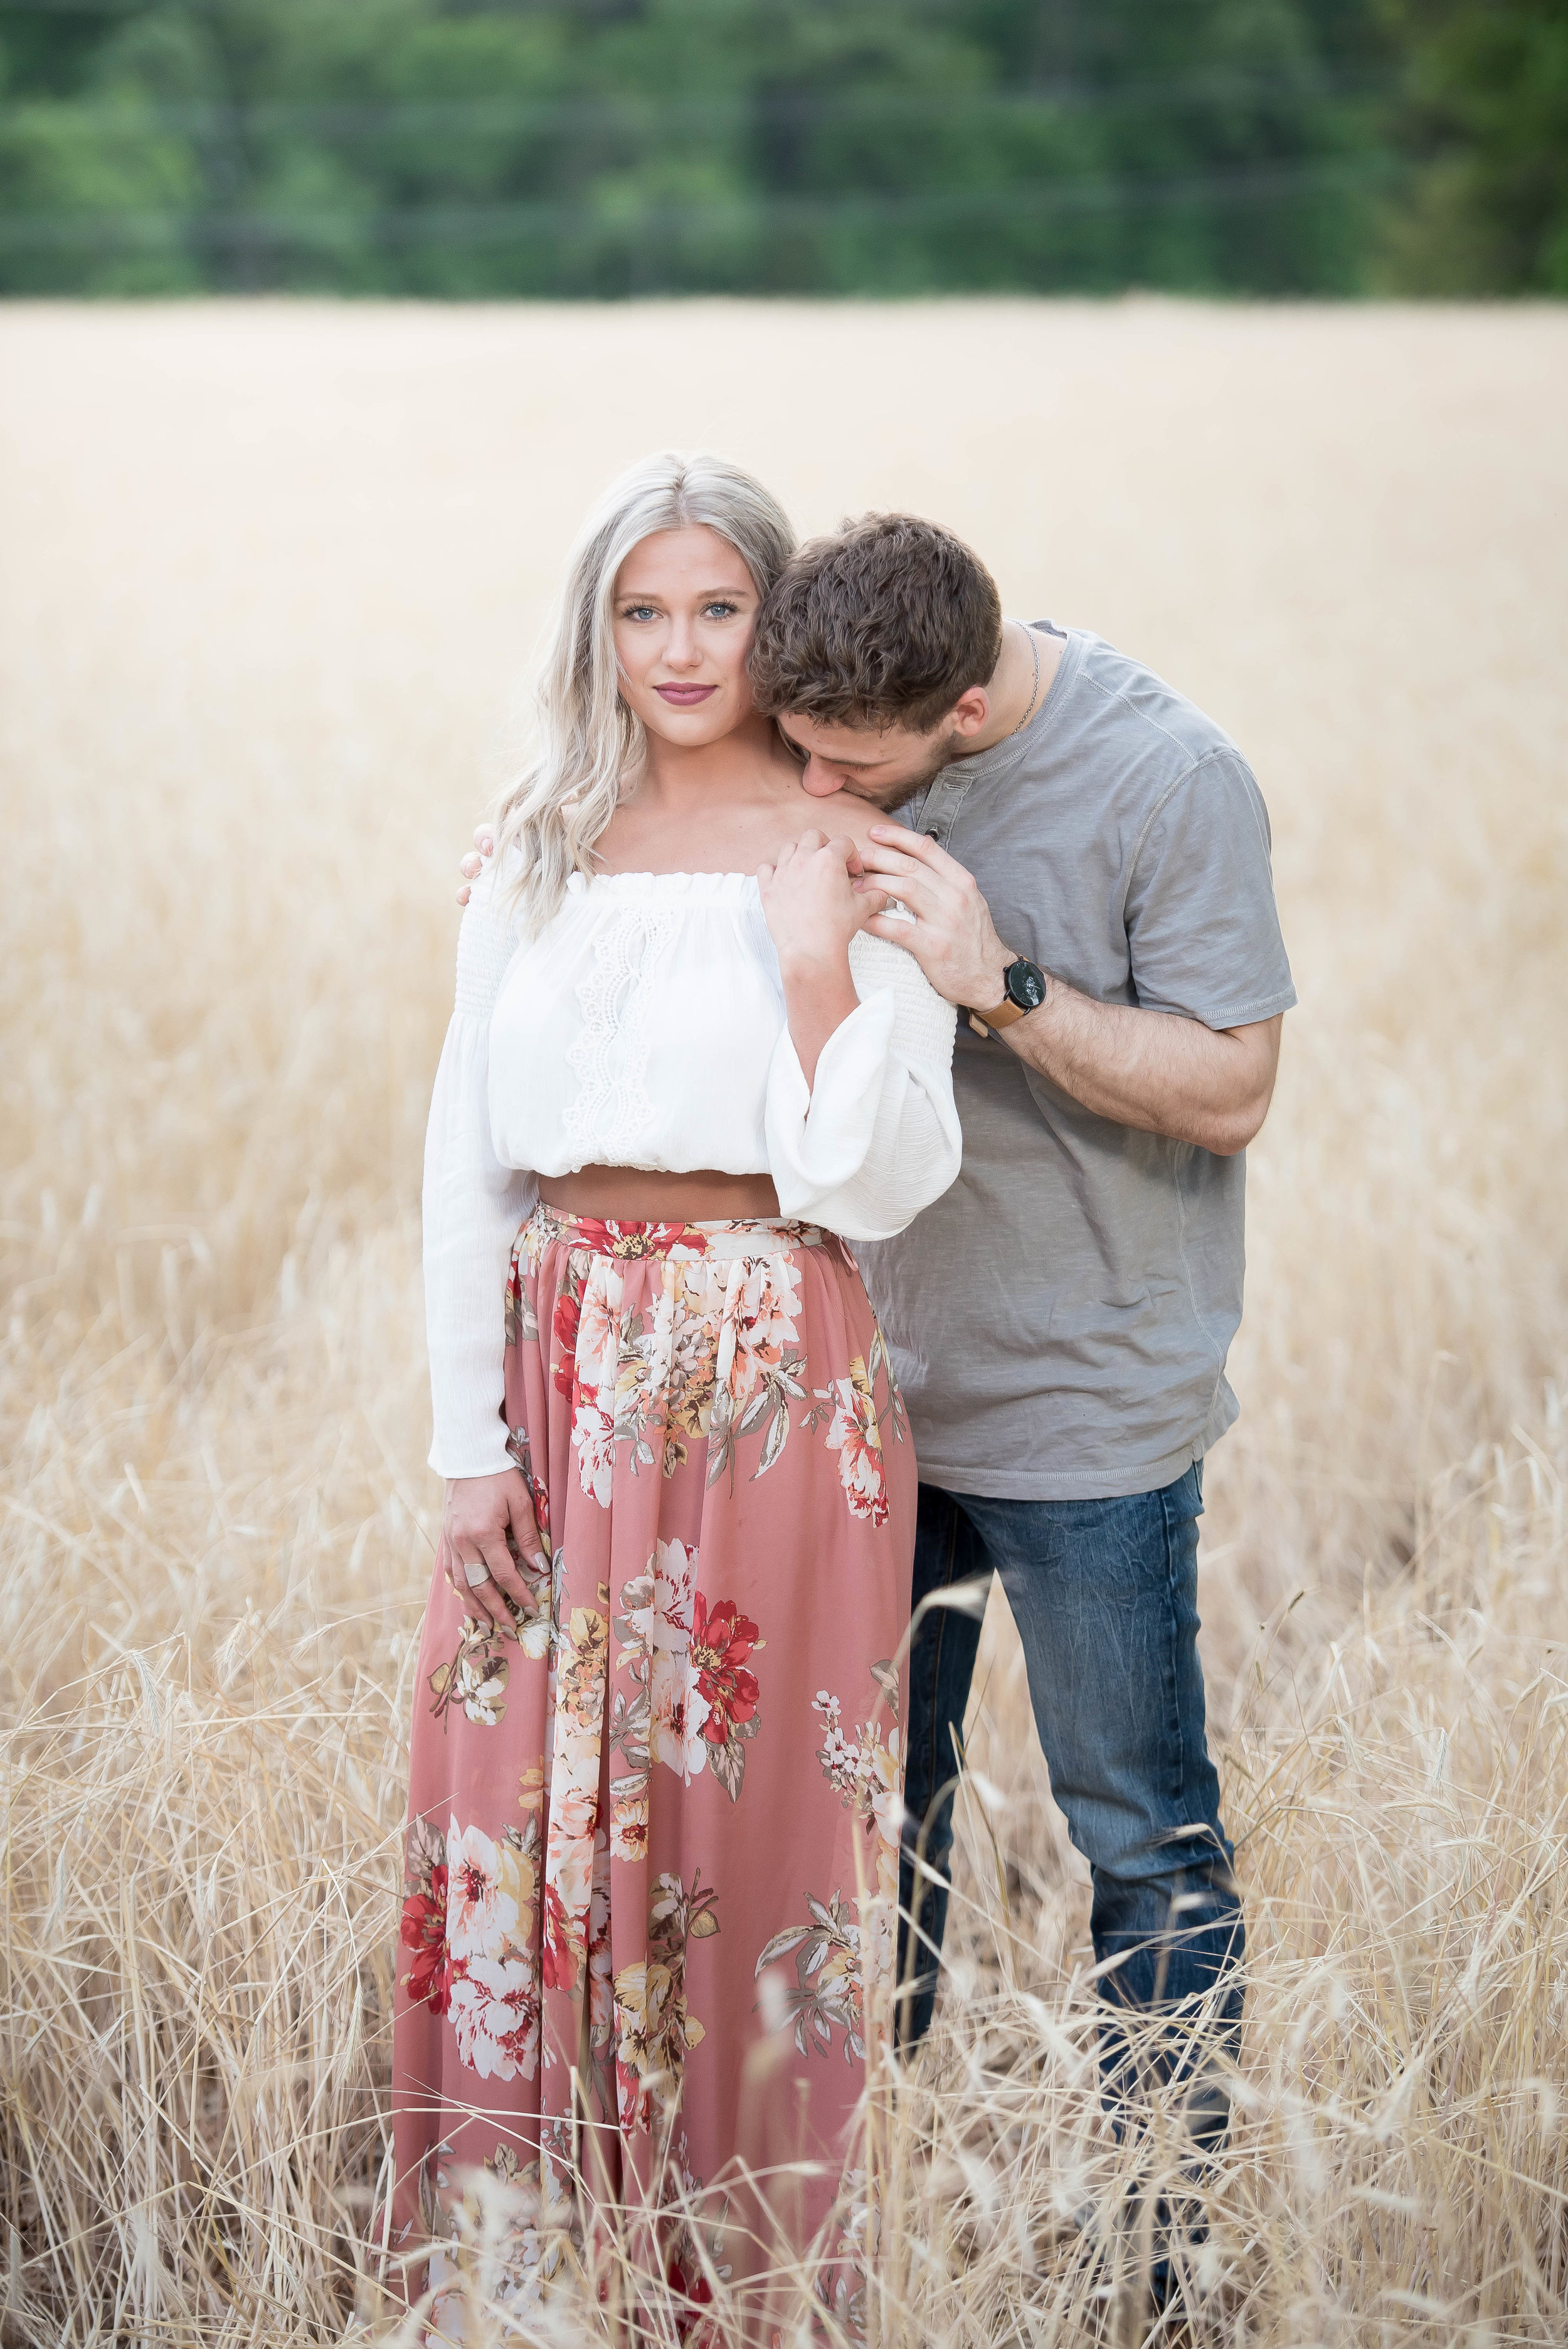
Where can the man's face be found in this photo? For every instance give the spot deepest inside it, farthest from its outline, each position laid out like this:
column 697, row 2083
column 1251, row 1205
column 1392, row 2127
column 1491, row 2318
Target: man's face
column 884, row 765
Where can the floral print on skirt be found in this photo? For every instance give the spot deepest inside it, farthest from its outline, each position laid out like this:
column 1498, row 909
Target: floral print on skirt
column 652, row 1854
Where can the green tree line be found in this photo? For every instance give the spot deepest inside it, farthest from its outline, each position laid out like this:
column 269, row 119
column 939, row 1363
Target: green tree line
column 493, row 147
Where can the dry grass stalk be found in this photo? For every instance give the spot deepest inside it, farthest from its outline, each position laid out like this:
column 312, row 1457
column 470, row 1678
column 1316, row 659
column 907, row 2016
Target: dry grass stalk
column 270, row 597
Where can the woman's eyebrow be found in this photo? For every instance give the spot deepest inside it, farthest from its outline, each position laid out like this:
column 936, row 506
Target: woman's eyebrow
column 655, row 595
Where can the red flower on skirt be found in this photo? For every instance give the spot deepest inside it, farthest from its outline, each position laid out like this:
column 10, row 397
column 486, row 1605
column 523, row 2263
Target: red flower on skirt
column 629, row 1240
column 559, row 1957
column 424, row 1930
column 720, row 1643
column 568, row 1314
column 693, row 2293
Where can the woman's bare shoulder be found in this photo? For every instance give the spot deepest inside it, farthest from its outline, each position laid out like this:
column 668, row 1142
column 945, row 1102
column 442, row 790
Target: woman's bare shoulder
column 839, row 814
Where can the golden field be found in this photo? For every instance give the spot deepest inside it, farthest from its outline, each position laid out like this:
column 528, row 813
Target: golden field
column 268, row 576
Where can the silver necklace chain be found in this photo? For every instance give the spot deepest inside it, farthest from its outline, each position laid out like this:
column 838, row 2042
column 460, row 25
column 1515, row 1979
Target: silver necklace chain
column 1034, row 647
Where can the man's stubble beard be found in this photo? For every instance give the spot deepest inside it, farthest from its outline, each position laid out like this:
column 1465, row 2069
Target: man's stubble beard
column 893, row 796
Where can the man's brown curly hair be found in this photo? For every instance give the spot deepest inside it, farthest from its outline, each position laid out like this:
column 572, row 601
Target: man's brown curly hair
column 887, row 624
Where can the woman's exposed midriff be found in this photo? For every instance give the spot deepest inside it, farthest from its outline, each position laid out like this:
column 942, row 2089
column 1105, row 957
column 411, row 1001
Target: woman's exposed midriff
column 635, row 1195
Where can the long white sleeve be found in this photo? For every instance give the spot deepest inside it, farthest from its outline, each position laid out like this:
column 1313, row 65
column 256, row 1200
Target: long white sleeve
column 473, row 1208
column 877, row 1137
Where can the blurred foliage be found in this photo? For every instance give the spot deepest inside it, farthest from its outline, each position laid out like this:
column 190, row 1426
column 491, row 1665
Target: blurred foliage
column 1486, row 117
column 608, row 147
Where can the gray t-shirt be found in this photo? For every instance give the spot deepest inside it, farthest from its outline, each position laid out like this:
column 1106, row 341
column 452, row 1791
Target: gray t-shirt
column 1060, row 1318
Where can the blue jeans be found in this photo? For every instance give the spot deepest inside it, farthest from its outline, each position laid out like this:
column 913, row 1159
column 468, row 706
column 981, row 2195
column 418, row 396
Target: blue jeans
column 1104, row 1594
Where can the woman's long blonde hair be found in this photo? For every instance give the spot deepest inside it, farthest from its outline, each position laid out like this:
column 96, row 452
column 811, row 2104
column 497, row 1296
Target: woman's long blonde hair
column 587, row 740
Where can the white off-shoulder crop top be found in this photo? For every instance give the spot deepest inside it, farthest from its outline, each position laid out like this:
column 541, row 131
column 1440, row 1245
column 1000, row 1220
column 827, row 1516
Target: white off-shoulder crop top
column 645, row 1026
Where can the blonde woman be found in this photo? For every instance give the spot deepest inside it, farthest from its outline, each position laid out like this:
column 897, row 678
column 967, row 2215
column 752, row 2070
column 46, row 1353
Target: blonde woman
column 653, row 1836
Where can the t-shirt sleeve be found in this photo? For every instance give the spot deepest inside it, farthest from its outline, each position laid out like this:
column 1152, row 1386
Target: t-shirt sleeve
column 1202, row 929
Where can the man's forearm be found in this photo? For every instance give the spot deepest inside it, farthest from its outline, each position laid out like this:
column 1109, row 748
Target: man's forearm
column 1152, row 1070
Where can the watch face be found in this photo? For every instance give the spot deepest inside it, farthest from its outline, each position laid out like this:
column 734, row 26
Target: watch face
column 1025, row 984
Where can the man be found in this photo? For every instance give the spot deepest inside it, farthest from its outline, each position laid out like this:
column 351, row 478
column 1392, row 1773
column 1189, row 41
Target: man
column 1086, row 856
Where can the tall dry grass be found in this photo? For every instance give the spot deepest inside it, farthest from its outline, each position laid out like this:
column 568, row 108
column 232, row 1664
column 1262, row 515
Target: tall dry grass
column 267, row 577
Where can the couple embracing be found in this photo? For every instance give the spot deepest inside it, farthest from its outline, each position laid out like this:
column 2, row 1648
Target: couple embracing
column 825, row 1209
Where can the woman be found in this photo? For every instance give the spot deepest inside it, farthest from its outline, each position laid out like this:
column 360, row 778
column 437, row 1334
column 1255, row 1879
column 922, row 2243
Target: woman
column 651, row 1862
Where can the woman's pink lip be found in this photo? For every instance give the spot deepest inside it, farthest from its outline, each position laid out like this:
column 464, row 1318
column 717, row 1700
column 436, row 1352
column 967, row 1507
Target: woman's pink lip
column 684, row 693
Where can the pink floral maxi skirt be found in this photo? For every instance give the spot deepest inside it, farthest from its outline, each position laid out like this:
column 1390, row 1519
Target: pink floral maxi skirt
column 652, row 1856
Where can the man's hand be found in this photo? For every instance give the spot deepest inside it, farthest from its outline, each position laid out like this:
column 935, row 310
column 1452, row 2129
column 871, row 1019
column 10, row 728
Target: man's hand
column 471, row 865
column 954, row 939
column 481, row 1513
column 1154, row 1071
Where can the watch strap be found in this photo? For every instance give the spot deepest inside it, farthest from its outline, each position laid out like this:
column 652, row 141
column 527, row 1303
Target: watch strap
column 1001, row 1016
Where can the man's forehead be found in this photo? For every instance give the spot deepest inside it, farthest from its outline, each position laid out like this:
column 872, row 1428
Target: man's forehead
column 845, row 746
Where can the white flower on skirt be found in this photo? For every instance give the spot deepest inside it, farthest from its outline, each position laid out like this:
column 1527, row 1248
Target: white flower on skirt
column 574, row 1779
column 534, row 1637
column 887, row 1788
column 599, row 1325
column 481, row 1894
column 677, row 1708
column 856, row 1437
column 629, row 1827
column 760, row 1322
column 569, row 1872
column 495, row 2015
column 593, row 1439
column 666, row 1622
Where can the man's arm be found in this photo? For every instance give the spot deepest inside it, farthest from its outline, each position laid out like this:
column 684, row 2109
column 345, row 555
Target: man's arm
column 1151, row 1069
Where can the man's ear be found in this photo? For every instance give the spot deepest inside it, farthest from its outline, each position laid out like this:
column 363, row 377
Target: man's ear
column 970, row 712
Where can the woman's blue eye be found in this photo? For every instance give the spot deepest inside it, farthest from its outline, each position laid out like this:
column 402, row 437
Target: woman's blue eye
column 724, row 610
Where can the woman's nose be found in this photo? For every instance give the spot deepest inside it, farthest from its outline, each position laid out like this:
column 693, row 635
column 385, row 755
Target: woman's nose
column 681, row 651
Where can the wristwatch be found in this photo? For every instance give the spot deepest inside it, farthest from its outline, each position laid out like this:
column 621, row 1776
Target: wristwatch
column 1025, row 988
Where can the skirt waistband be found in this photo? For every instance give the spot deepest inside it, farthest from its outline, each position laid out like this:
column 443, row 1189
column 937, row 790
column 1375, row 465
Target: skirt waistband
column 722, row 1241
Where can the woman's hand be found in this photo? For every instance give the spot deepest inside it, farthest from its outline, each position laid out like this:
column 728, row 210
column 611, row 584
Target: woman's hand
column 812, row 904
column 813, row 909
column 471, row 865
column 487, row 1519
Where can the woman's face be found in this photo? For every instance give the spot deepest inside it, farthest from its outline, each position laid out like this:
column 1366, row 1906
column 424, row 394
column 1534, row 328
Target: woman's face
column 684, row 609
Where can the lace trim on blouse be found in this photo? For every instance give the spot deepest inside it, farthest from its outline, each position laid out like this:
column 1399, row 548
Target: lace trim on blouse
column 612, row 1109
